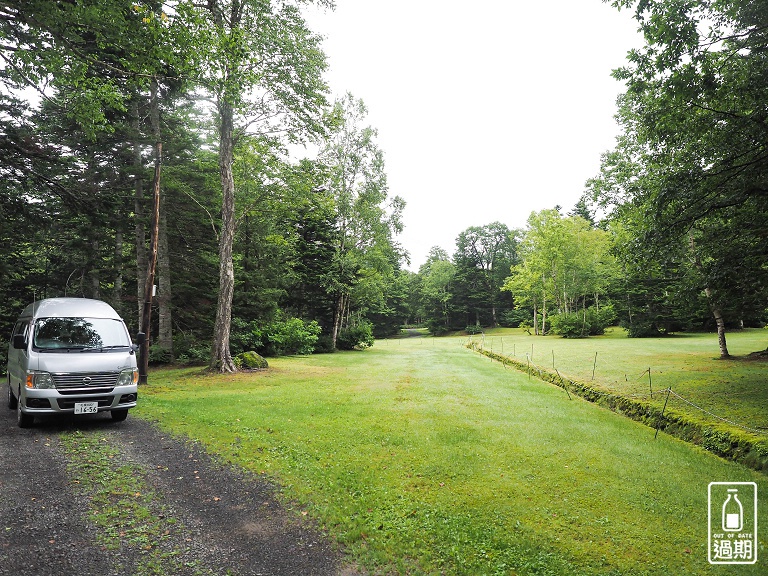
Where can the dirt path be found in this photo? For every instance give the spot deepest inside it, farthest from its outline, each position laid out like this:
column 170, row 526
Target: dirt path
column 208, row 518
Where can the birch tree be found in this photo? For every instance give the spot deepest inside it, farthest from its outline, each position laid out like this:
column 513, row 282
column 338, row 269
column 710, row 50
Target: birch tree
column 366, row 218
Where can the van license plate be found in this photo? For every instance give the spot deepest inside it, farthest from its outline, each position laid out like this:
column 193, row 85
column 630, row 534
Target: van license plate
column 86, row 407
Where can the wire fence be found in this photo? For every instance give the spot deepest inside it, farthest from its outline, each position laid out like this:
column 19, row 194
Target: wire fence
column 478, row 342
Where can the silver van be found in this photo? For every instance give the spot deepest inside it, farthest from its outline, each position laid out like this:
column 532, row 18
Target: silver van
column 71, row 355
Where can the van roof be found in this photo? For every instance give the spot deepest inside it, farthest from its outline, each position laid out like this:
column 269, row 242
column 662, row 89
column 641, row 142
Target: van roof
column 70, row 307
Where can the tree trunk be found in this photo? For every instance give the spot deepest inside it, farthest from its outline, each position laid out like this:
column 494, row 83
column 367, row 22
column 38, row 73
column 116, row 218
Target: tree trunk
column 164, row 315
column 716, row 312
column 720, row 321
column 149, row 283
column 338, row 314
column 95, row 272
column 535, row 320
column 221, row 357
column 140, row 233
column 117, row 296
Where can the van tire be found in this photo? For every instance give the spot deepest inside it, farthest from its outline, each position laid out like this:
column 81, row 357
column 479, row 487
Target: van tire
column 11, row 398
column 22, row 419
column 119, row 415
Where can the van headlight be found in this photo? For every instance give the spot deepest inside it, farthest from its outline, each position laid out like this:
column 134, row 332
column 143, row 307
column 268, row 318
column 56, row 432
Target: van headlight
column 37, row 379
column 128, row 377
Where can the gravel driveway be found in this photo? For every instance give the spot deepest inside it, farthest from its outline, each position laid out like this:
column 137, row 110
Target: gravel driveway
column 216, row 519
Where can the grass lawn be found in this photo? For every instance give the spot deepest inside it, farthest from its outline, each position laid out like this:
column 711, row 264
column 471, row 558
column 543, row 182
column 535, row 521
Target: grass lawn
column 422, row 457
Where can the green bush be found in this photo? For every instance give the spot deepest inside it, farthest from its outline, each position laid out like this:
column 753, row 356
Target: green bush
column 356, row 337
column 571, row 325
column 244, row 335
column 474, row 329
column 514, row 318
column 437, row 327
column 280, row 337
column 600, row 319
column 583, row 323
column 159, row 355
column 194, row 355
column 324, row 344
column 292, row 336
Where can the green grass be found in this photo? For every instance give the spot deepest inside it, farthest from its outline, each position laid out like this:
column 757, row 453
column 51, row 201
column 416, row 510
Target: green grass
column 735, row 390
column 422, row 457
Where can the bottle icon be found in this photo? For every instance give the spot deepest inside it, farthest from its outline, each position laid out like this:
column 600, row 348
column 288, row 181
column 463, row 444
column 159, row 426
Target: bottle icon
column 733, row 512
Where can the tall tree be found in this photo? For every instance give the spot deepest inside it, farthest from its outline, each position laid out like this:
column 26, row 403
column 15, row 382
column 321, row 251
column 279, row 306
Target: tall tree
column 264, row 68
column 367, row 219
column 484, row 255
column 563, row 261
column 437, row 277
column 693, row 161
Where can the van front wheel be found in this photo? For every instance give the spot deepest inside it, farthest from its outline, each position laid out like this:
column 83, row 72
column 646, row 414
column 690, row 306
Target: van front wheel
column 119, row 415
column 23, row 420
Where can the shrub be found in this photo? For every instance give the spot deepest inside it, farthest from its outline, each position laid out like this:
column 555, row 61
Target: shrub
column 159, row 355
column 589, row 322
column 513, row 318
column 437, row 327
column 292, row 336
column 277, row 338
column 571, row 325
column 244, row 336
column 324, row 344
column 474, row 329
column 356, row 337
column 600, row 319
column 194, row 355
column 250, row 360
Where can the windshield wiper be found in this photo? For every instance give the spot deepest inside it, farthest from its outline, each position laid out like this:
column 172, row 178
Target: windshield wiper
column 103, row 348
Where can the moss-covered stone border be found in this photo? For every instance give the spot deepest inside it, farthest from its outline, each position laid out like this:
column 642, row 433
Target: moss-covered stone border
column 725, row 441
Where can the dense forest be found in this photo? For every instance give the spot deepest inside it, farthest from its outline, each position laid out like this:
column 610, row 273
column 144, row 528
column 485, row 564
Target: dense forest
column 153, row 143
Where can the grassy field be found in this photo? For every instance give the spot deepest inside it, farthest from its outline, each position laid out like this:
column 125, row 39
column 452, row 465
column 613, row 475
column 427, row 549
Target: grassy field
column 734, row 390
column 421, row 457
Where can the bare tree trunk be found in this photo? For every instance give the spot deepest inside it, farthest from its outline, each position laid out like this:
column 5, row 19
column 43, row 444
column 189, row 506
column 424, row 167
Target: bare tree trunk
column 146, row 316
column 140, row 232
column 164, row 316
column 720, row 322
column 535, row 320
column 716, row 312
column 117, row 297
column 337, row 317
column 95, row 272
column 221, row 357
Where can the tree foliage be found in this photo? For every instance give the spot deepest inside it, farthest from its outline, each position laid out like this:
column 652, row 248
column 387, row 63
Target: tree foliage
column 690, row 171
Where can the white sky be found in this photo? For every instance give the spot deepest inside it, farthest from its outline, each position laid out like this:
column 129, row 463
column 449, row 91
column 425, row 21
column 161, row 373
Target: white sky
column 486, row 110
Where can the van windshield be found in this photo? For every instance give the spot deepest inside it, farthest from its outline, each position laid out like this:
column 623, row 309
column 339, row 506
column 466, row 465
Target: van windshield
column 67, row 334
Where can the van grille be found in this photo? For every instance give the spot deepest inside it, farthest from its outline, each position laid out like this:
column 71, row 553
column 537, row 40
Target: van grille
column 85, row 381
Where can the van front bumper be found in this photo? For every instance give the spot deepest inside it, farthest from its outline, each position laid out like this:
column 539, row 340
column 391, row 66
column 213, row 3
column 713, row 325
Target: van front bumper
column 51, row 401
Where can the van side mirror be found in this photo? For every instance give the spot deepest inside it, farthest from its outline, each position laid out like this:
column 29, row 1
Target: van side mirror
column 141, row 338
column 19, row 342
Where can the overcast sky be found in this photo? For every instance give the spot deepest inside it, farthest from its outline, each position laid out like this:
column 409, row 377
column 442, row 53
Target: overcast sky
column 486, row 110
